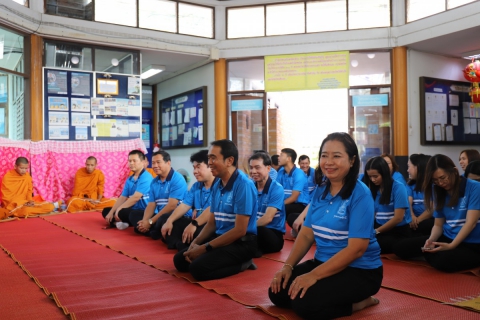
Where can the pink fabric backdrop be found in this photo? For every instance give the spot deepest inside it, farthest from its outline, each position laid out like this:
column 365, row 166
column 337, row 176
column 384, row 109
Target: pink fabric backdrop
column 53, row 164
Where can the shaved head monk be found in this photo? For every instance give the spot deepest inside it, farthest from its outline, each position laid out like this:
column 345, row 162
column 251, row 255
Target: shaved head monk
column 88, row 189
column 17, row 194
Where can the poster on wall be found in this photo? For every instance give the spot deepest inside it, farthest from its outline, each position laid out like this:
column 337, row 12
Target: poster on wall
column 57, row 82
column 80, row 105
column 58, row 133
column 80, row 119
column 81, row 84
column 98, row 106
column 81, row 133
column 134, row 86
column 58, row 118
column 58, row 103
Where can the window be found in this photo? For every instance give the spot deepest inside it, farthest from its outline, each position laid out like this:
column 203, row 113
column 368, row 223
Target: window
column 116, row 61
column 158, row 15
column 368, row 14
column 22, row 2
column 326, row 15
column 456, row 3
column 246, row 75
column 236, row 26
column 73, row 9
column 122, row 12
column 195, row 20
column 372, row 68
column 285, row 19
column 417, row 9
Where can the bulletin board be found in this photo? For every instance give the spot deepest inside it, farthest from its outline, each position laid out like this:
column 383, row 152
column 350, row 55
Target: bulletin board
column 183, row 120
column 75, row 110
column 447, row 115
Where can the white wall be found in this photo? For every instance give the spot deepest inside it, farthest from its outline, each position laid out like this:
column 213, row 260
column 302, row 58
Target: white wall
column 429, row 65
column 203, row 76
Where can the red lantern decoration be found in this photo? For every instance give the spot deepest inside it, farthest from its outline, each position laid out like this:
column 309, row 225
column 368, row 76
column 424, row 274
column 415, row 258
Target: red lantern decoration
column 472, row 71
column 475, row 93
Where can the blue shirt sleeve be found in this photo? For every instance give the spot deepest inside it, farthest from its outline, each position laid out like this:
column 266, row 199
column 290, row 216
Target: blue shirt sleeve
column 276, row 197
column 400, row 198
column 361, row 212
column 299, row 180
column 190, row 196
column 126, row 186
column 245, row 197
column 178, row 187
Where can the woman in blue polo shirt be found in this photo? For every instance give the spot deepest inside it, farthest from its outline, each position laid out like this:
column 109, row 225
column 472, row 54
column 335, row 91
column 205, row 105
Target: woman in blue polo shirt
column 347, row 270
column 454, row 243
column 392, row 216
column 422, row 219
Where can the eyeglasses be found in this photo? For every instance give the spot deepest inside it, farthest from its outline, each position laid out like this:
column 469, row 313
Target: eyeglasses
column 441, row 180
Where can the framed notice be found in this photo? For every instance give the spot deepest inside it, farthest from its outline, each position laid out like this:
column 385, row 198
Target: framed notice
column 107, row 86
column 447, row 114
column 182, row 120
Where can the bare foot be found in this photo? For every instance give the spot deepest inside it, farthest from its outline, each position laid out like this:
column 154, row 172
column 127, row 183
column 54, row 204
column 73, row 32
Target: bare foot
column 370, row 301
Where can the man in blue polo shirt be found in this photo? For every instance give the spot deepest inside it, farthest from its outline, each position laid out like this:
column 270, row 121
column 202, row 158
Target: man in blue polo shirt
column 271, row 210
column 228, row 241
column 294, row 182
column 135, row 192
column 166, row 192
column 183, row 225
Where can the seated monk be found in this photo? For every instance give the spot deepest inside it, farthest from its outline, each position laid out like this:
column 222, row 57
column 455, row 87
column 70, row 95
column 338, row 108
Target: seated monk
column 88, row 189
column 145, row 166
column 17, row 192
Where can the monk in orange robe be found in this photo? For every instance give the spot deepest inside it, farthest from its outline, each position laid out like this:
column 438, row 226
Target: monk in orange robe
column 17, row 194
column 88, row 189
column 149, row 170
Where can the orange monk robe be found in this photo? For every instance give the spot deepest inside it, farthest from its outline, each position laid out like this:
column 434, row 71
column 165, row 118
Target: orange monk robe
column 149, row 170
column 16, row 191
column 88, row 186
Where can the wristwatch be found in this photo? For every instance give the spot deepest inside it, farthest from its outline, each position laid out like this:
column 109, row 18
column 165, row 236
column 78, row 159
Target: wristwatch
column 208, row 247
column 194, row 223
column 150, row 221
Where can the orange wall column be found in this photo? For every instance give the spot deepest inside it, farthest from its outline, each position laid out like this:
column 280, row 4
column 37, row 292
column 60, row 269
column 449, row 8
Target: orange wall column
column 36, row 63
column 221, row 116
column 400, row 101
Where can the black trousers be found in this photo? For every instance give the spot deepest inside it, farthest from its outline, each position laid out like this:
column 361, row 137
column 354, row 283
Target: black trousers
column 122, row 214
column 155, row 231
column 424, row 227
column 174, row 240
column 465, row 256
column 220, row 262
column 331, row 297
column 387, row 239
column 269, row 240
column 292, row 217
column 294, row 208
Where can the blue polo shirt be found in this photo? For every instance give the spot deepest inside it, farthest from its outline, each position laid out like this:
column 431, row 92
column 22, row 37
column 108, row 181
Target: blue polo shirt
column 237, row 197
column 272, row 196
column 199, row 198
column 273, row 174
column 399, row 177
column 398, row 200
column 455, row 216
column 310, row 186
column 334, row 220
column 174, row 187
column 417, row 203
column 141, row 185
column 293, row 181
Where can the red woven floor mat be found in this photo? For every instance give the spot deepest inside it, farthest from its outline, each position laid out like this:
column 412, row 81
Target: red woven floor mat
column 21, row 298
column 93, row 282
column 427, row 282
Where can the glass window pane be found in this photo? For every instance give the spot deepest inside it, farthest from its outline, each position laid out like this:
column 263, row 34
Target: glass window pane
column 372, row 68
column 11, row 50
column 76, row 9
column 417, row 9
column 246, row 75
column 237, row 28
column 368, row 14
column 22, row 2
column 68, row 56
column 456, row 3
column 158, row 15
column 285, row 19
column 122, row 12
column 195, row 20
column 116, row 61
column 326, row 15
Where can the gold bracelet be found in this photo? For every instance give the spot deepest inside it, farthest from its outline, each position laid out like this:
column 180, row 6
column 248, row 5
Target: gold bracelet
column 288, row 264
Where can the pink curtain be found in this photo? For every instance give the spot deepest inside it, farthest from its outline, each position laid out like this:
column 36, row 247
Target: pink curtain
column 53, row 163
